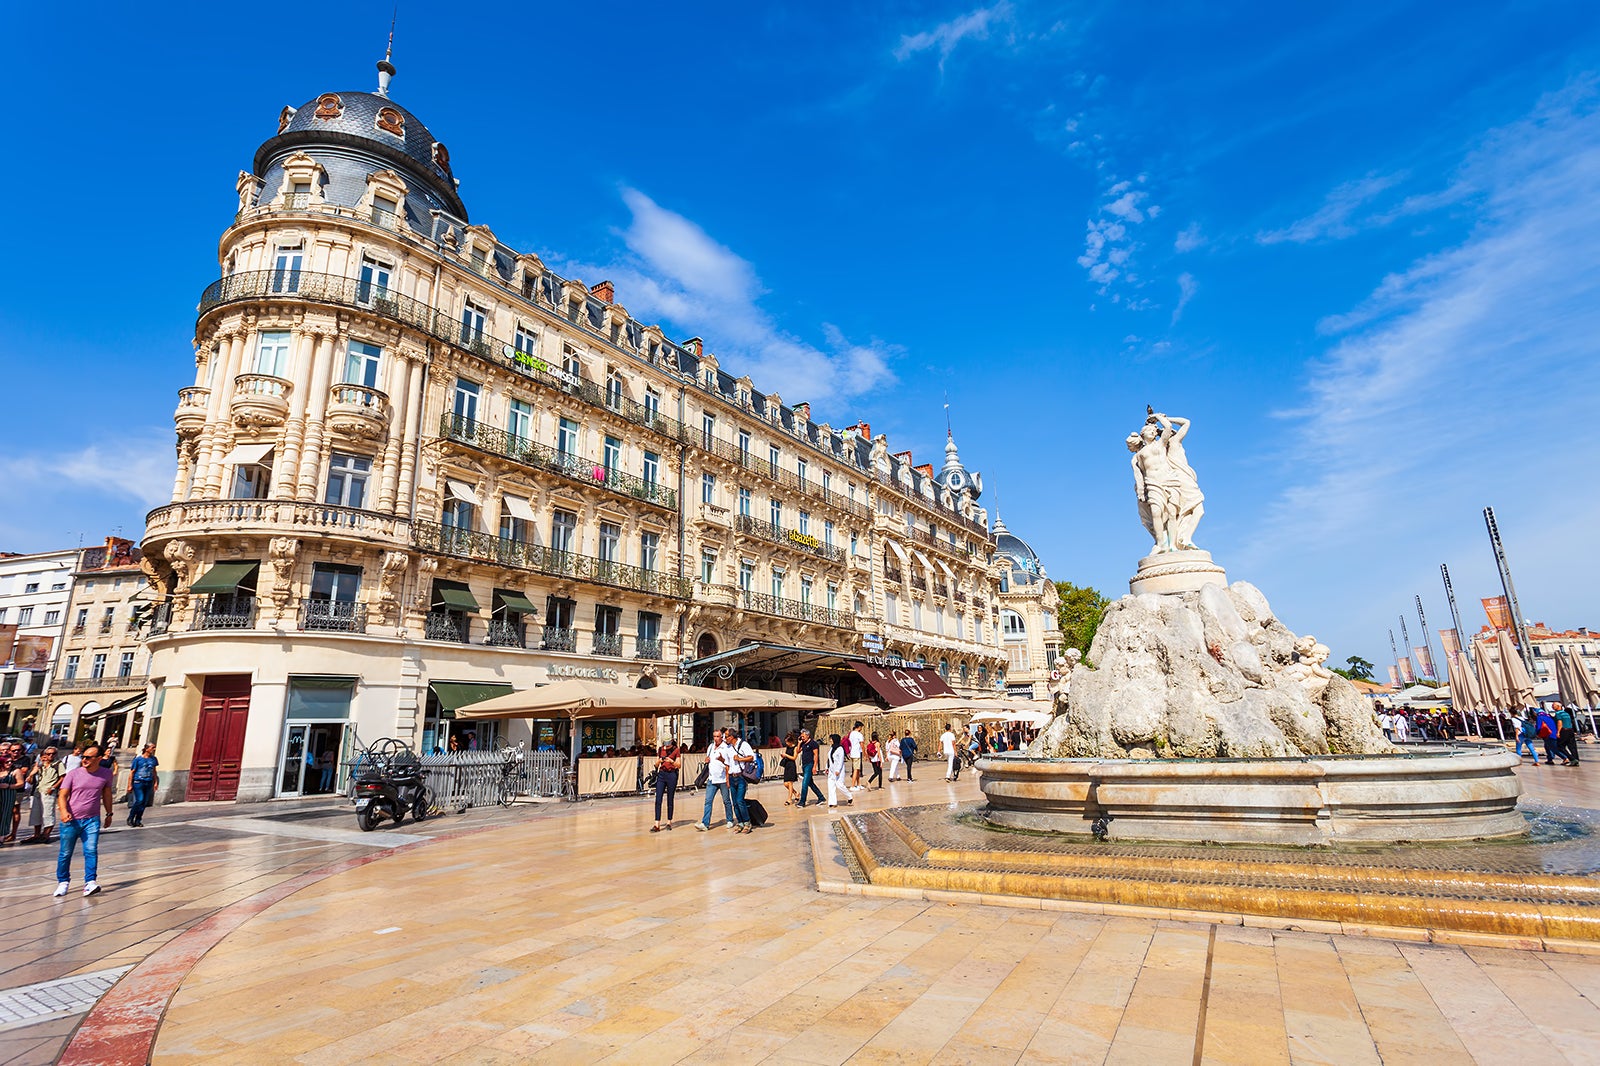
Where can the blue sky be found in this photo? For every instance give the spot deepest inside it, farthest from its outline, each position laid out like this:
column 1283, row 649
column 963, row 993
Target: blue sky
column 1355, row 246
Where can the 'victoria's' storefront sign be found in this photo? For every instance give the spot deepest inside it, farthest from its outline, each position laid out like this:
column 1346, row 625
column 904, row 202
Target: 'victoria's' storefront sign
column 597, row 673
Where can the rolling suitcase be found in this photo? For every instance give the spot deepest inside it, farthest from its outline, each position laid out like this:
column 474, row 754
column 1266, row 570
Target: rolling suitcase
column 758, row 813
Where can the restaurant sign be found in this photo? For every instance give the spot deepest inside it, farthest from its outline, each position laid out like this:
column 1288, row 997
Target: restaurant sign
column 596, row 673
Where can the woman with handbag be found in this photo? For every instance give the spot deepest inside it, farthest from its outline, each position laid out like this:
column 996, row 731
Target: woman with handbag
column 46, row 778
column 668, row 759
column 789, row 761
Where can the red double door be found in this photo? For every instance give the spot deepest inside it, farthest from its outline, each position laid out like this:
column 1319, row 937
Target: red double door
column 219, row 738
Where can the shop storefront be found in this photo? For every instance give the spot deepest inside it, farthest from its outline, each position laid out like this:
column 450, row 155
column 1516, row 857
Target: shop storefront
column 440, row 723
column 317, row 738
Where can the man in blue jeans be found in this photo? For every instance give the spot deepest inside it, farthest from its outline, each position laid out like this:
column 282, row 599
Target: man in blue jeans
column 743, row 755
column 717, row 759
column 808, row 768
column 84, row 791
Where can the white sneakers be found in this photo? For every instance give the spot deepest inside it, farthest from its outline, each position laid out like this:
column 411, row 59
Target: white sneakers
column 91, row 888
column 61, row 889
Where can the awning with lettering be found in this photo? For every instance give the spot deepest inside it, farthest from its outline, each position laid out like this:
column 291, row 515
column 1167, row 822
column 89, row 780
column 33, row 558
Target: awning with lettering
column 900, row 685
column 894, row 546
column 247, row 454
column 456, row 694
column 462, row 491
column 519, row 508
column 224, row 577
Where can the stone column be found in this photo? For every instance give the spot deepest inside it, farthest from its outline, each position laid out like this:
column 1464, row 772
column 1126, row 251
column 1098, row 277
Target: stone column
column 209, row 477
column 316, row 412
column 397, row 383
column 416, row 382
column 304, row 356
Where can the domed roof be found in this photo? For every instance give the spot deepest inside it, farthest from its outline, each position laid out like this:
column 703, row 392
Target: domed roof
column 372, row 124
column 1024, row 560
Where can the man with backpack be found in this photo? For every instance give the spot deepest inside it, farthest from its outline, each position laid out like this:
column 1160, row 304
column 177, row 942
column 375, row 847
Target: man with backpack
column 744, row 764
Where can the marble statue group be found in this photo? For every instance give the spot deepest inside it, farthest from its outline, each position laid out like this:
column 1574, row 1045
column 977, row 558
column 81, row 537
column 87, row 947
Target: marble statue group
column 1170, row 500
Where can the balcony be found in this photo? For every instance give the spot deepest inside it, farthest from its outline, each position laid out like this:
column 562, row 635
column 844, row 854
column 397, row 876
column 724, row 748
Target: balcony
column 761, row 603
column 568, row 465
column 451, row 626
column 275, row 516
column 560, row 638
column 608, row 644
column 893, row 573
column 233, row 611
column 99, row 684
column 647, row 648
column 260, row 400
column 946, row 515
column 79, row 629
column 504, row 634
column 789, row 538
column 357, row 411
column 500, row 551
column 333, row 616
column 191, row 413
column 745, row 459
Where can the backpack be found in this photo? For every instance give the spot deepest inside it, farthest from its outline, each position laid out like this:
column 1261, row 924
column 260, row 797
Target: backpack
column 1546, row 726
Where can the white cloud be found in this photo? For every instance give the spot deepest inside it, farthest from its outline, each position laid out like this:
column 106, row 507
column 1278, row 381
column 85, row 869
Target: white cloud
column 1461, row 382
column 678, row 273
column 1108, row 244
column 87, row 491
column 974, row 25
column 1334, row 219
column 1186, row 290
column 1188, row 238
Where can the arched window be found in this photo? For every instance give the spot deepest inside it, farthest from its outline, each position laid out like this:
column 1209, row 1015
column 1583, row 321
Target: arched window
column 944, row 669
column 983, row 675
column 964, row 670
column 1012, row 627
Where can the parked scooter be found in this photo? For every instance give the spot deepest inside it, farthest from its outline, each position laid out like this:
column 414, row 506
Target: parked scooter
column 388, row 784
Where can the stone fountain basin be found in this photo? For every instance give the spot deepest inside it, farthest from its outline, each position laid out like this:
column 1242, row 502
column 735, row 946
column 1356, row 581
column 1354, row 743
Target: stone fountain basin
column 1453, row 794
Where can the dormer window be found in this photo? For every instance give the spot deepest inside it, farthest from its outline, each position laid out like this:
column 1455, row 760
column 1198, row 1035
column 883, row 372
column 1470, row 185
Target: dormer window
column 390, row 120
column 384, row 212
column 329, row 105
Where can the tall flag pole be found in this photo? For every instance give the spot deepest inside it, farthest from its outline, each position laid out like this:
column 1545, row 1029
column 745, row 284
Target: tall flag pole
column 1427, row 644
column 1455, row 615
column 1518, row 624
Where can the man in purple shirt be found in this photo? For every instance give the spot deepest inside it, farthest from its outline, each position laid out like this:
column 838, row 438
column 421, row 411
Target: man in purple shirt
column 84, row 791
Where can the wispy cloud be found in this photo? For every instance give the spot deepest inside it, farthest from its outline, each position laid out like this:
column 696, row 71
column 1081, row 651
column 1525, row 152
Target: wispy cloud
column 1453, row 386
column 1109, row 238
column 1188, row 238
column 943, row 38
column 80, row 490
column 675, row 272
column 1186, row 290
column 1335, row 219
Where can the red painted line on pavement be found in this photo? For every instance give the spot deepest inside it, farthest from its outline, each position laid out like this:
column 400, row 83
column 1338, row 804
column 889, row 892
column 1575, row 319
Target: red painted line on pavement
column 120, row 1030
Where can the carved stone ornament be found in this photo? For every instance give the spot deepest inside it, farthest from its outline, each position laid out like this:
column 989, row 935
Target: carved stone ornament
column 283, row 118
column 282, row 551
column 180, row 555
column 427, row 566
column 329, row 106
column 394, row 571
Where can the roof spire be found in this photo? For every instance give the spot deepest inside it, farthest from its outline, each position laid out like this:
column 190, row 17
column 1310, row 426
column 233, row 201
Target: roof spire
column 385, row 67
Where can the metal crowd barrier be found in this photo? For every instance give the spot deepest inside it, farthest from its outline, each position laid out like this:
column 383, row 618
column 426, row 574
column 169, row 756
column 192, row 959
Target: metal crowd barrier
column 474, row 778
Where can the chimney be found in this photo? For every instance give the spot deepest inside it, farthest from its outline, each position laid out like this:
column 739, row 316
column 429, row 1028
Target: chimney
column 864, row 429
column 693, row 346
column 802, row 412
column 926, row 469
column 904, row 457
column 605, row 291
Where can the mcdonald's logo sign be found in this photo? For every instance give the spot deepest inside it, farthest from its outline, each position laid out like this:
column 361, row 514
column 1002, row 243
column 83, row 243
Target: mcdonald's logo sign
column 608, row 774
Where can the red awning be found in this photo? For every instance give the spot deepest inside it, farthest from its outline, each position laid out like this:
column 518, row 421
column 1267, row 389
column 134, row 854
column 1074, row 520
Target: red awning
column 900, row 685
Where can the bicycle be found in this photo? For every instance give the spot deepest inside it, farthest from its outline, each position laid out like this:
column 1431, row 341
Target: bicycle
column 510, row 774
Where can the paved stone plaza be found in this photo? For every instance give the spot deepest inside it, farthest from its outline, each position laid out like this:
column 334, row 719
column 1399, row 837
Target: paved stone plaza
column 571, row 934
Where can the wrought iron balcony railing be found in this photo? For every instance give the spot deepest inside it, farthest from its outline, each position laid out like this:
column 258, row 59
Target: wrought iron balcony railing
column 504, row 634
column 763, row 603
column 333, row 616
column 646, row 648
column 233, row 611
column 790, row 538
column 447, row 625
column 574, row 467
column 560, row 638
column 608, row 644
column 486, row 547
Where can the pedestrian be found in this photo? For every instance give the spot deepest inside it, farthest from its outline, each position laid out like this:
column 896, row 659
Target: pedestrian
column 1386, row 722
column 46, row 783
column 142, row 784
column 894, row 757
column 856, row 743
column 1402, row 729
column 789, row 762
column 717, row 760
column 741, row 769
column 1547, row 732
column 10, row 793
column 1527, row 730
column 669, row 758
column 947, row 748
column 809, row 751
column 875, row 760
column 1566, row 735
column 836, row 773
column 74, row 760
column 83, row 793
column 908, row 751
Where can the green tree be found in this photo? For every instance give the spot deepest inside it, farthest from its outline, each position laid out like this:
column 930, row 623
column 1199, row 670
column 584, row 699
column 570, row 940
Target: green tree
column 1357, row 669
column 1079, row 614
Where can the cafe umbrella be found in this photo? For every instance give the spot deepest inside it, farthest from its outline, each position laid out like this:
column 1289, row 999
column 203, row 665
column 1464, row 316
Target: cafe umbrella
column 1491, row 685
column 1577, row 685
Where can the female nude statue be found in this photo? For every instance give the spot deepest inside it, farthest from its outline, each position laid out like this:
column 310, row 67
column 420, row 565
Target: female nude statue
column 1170, row 500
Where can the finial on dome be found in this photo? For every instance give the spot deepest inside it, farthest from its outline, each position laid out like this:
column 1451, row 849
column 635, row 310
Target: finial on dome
column 385, row 67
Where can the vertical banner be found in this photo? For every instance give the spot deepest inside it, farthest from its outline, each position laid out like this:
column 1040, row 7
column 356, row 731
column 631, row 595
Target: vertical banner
column 1499, row 612
column 8, row 640
column 1407, row 674
column 1394, row 676
column 33, row 653
column 1450, row 640
column 1425, row 660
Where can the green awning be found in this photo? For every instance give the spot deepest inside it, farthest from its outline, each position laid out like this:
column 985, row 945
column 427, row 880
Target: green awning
column 454, row 594
column 454, row 694
column 516, row 601
column 224, row 577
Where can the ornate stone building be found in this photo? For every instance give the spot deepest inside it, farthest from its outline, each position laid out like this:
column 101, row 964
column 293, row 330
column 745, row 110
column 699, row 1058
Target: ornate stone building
column 417, row 468
column 1030, row 631
column 99, row 687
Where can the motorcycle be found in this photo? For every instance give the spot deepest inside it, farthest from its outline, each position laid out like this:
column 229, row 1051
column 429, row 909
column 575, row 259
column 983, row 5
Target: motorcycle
column 388, row 784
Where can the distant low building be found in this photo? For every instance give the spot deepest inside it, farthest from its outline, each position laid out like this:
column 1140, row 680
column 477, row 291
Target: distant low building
column 101, row 671
column 34, row 590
